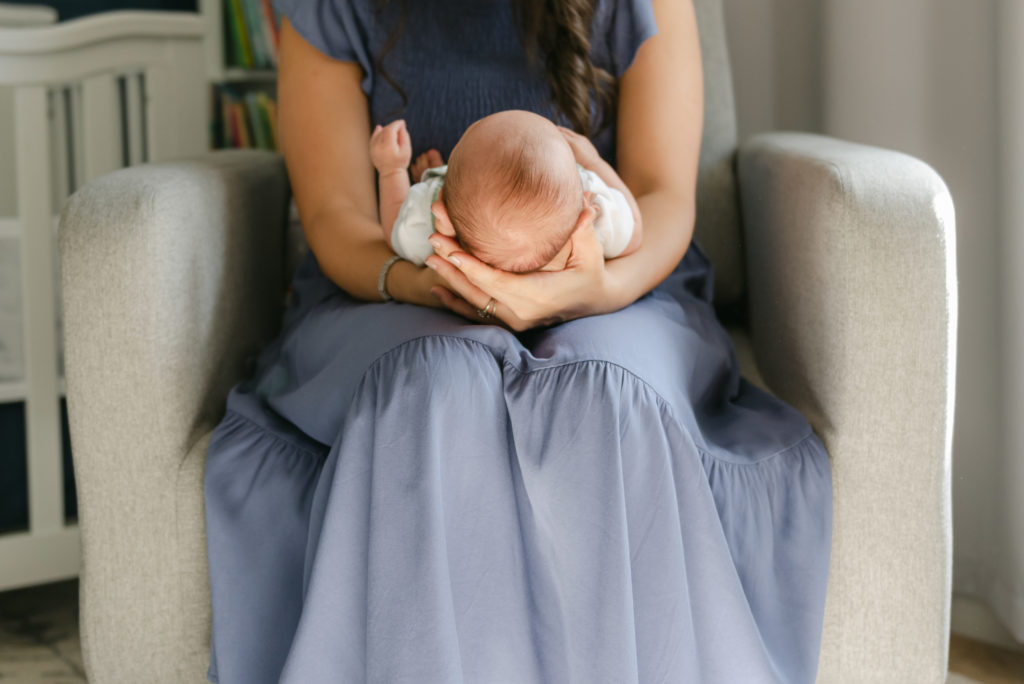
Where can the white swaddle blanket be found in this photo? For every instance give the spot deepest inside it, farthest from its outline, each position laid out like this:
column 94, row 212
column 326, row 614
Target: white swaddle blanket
column 415, row 224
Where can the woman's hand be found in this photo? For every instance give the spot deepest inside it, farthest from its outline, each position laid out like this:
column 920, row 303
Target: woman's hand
column 586, row 154
column 528, row 300
column 428, row 160
column 589, row 158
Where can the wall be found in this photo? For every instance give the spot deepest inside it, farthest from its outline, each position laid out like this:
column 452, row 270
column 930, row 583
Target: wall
column 776, row 59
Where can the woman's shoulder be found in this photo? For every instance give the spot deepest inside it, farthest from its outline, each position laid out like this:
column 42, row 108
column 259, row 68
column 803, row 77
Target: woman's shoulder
column 618, row 30
column 337, row 28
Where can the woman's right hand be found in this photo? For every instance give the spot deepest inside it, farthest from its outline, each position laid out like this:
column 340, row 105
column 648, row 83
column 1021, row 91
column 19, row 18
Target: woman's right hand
column 528, row 300
column 583, row 150
column 413, row 284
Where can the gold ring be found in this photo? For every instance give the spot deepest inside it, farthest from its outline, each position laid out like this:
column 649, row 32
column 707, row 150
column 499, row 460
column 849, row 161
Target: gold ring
column 488, row 310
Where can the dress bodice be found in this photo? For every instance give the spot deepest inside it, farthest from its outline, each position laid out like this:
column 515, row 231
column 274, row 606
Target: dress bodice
column 457, row 60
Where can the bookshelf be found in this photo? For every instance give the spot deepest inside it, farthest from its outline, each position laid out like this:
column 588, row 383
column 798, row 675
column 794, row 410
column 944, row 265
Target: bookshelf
column 243, row 81
column 241, row 59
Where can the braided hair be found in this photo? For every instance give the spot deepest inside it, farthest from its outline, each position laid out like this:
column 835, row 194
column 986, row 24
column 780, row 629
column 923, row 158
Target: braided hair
column 558, row 31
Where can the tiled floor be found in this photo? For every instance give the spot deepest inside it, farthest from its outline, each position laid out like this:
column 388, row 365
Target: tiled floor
column 39, row 635
column 39, row 643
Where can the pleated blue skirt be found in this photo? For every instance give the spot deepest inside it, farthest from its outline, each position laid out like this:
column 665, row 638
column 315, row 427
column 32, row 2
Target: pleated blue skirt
column 397, row 495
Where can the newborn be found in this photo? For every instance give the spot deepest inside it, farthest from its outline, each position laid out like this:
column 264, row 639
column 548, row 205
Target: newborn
column 512, row 193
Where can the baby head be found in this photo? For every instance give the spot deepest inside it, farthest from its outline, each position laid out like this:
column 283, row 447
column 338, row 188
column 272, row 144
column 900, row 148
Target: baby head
column 512, row 192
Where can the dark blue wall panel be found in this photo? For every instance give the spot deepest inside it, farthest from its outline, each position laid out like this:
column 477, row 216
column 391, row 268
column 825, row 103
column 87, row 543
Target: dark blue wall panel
column 69, row 9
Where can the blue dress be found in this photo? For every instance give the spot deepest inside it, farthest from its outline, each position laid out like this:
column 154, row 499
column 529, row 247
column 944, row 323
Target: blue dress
column 397, row 495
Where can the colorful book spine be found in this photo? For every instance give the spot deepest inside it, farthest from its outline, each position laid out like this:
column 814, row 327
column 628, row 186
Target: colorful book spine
column 270, row 29
column 264, row 107
column 272, row 117
column 240, row 34
column 225, row 120
column 244, row 137
column 244, row 119
column 234, row 137
column 252, row 107
column 250, row 12
column 233, row 55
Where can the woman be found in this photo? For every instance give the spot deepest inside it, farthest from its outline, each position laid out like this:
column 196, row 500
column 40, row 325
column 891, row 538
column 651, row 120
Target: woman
column 402, row 494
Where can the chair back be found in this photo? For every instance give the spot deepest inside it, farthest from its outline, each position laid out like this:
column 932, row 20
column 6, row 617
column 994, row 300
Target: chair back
column 718, row 222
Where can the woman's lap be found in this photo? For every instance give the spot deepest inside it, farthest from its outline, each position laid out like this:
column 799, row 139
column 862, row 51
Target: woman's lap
column 602, row 489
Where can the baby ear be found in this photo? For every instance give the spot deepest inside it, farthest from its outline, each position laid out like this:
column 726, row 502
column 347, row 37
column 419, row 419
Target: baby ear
column 442, row 224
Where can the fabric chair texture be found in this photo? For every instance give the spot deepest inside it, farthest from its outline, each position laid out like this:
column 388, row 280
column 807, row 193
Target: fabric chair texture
column 840, row 256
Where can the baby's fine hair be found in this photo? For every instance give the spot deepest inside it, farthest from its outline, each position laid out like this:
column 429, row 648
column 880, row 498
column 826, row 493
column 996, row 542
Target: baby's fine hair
column 522, row 186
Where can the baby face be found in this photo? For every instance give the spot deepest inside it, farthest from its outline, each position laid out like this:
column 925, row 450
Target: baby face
column 513, row 192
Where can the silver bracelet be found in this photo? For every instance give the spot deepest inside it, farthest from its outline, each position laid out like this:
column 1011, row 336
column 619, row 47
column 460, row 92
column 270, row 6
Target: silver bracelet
column 383, row 277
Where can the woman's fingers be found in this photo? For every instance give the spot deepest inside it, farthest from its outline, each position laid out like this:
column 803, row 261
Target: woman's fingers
column 478, row 298
column 417, row 169
column 458, row 305
column 454, row 303
column 582, row 148
column 484, row 277
column 586, row 248
column 530, row 299
column 457, row 281
column 426, row 160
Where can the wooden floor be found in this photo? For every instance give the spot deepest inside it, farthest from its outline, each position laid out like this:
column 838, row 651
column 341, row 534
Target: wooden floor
column 983, row 662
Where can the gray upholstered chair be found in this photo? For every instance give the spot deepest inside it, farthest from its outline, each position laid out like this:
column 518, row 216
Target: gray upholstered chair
column 841, row 254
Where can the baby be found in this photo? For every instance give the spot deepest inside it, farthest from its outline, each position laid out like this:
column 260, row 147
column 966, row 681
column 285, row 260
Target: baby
column 511, row 194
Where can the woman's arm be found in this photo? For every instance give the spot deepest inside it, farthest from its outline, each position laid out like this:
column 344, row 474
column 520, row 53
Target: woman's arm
column 587, row 157
column 324, row 123
column 660, row 119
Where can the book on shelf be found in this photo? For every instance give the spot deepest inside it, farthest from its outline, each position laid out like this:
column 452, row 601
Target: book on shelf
column 251, row 30
column 237, row 38
column 243, row 119
column 268, row 113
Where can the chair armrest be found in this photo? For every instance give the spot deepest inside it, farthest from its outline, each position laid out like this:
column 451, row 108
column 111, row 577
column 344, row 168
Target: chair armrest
column 173, row 275
column 852, row 294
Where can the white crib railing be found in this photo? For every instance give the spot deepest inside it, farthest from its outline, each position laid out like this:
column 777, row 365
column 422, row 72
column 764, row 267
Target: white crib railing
column 90, row 95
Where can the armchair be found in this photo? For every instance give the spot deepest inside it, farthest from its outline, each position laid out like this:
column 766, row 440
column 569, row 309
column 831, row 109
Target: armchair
column 172, row 279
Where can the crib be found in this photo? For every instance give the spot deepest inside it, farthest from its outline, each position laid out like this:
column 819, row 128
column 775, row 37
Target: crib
column 86, row 97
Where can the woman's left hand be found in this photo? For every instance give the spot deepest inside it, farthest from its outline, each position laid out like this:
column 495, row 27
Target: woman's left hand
column 525, row 300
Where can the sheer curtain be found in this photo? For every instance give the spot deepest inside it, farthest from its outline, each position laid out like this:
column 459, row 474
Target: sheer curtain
column 1004, row 585
column 944, row 80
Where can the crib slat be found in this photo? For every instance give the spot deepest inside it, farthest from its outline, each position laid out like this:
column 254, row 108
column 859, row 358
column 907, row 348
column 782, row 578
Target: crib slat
column 43, row 427
column 59, row 151
column 101, row 116
column 133, row 93
column 77, row 135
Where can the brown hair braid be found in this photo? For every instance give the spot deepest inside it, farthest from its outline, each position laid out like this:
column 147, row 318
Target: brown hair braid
column 559, row 32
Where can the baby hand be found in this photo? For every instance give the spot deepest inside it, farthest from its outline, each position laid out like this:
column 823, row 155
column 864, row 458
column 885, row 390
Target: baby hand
column 586, row 154
column 427, row 160
column 390, row 147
